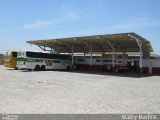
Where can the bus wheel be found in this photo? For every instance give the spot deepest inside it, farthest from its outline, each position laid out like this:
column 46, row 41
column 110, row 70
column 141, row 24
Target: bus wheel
column 37, row 68
column 16, row 68
column 29, row 69
column 68, row 68
column 43, row 67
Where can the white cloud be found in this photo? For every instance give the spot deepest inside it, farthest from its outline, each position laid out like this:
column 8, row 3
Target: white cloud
column 70, row 14
column 66, row 15
column 37, row 24
column 138, row 21
column 132, row 24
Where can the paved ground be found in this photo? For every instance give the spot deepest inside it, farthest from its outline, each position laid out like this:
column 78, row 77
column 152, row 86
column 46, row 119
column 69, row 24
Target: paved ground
column 71, row 92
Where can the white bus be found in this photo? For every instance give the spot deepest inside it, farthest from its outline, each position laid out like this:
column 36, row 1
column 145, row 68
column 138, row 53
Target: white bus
column 37, row 61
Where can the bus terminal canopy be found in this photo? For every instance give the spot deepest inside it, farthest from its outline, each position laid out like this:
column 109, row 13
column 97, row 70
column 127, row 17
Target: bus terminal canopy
column 124, row 42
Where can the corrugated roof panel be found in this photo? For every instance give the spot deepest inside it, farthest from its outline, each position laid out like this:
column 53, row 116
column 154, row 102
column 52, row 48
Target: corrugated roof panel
column 123, row 43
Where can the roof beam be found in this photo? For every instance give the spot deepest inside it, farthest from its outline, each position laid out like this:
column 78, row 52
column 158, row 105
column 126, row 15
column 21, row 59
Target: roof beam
column 41, row 47
column 139, row 42
column 44, row 48
column 69, row 47
column 84, row 41
column 104, row 40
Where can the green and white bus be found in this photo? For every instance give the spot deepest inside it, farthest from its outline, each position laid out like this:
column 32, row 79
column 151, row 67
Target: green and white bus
column 37, row 61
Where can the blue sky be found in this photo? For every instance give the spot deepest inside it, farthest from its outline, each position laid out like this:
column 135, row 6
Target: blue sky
column 22, row 20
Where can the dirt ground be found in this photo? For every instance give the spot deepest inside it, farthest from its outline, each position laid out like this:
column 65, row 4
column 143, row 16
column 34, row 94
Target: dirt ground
column 77, row 92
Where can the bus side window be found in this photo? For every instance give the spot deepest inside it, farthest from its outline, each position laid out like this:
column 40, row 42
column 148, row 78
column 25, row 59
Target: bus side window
column 80, row 60
column 98, row 60
column 57, row 61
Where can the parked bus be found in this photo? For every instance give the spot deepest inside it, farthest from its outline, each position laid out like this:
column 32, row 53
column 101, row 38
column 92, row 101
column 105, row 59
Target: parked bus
column 31, row 60
column 10, row 59
column 1, row 59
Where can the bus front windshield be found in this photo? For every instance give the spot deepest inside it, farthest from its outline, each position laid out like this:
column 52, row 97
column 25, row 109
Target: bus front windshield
column 14, row 54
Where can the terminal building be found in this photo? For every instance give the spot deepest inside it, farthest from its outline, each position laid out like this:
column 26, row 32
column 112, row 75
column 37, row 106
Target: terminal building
column 125, row 52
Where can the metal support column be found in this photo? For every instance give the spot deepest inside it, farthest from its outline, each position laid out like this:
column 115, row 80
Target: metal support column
column 113, row 57
column 140, row 62
column 102, row 63
column 102, row 58
column 72, row 57
column 90, row 56
column 139, row 42
column 123, row 58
